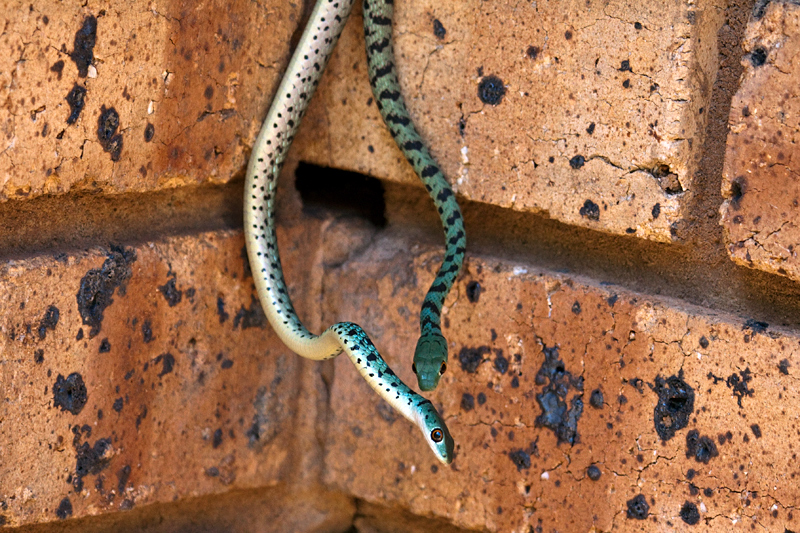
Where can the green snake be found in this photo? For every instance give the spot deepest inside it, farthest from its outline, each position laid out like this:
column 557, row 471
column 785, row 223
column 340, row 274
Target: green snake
column 269, row 152
column 430, row 356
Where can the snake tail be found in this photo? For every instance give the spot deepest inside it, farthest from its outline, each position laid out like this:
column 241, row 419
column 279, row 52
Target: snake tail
column 269, row 152
column 430, row 356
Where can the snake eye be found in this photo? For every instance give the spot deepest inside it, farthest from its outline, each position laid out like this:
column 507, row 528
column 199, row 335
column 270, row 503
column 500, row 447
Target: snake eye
column 437, row 435
column 414, row 367
column 443, row 368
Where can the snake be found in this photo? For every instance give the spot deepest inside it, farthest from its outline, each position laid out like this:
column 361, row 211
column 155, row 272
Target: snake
column 289, row 104
column 430, row 355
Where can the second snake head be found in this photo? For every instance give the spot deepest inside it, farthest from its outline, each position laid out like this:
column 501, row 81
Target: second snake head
column 430, row 360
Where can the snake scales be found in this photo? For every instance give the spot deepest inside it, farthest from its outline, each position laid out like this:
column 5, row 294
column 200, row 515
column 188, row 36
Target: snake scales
column 280, row 126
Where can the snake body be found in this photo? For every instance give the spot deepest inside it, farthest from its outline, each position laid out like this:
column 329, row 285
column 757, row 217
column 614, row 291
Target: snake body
column 279, row 128
column 430, row 356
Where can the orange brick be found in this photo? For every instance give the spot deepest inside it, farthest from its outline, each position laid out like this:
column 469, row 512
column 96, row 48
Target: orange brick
column 762, row 160
column 143, row 375
column 529, row 333
column 186, row 85
column 601, row 125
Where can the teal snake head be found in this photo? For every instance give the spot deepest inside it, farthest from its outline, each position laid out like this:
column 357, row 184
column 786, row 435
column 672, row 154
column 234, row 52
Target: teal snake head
column 430, row 360
column 435, row 431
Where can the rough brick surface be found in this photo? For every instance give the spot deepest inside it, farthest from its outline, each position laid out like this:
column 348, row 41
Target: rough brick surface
column 760, row 180
column 528, row 339
column 142, row 377
column 601, row 125
column 187, row 85
column 160, row 380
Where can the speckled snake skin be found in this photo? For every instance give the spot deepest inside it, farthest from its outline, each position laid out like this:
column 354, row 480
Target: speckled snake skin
column 430, row 356
column 279, row 128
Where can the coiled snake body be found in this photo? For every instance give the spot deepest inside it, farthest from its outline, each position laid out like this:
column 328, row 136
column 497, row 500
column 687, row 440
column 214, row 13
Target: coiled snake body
column 279, row 128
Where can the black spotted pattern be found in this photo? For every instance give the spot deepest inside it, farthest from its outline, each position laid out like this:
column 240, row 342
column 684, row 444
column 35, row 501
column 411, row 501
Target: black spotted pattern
column 385, row 88
column 289, row 104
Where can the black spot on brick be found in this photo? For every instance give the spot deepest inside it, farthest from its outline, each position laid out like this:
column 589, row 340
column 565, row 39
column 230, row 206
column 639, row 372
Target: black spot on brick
column 105, row 346
column 171, row 293
column 167, row 361
column 58, row 68
column 226, row 364
column 79, row 336
column 501, row 363
column 147, row 331
column 590, row 210
column 656, row 211
column 98, row 286
column 703, row 342
column 675, row 405
column 107, row 124
column 123, row 475
column 438, row 29
column 217, row 440
column 64, row 509
column 758, row 56
column 209, row 92
column 471, row 358
column 481, row 398
column 533, row 52
column 577, row 161
column 593, row 472
column 702, row 448
column 149, row 132
column 625, row 65
column 491, row 90
column 738, row 384
column 48, row 321
column 83, row 46
column 473, row 291
column 90, row 460
column 118, row 404
column 520, row 458
column 626, row 84
column 38, row 356
column 467, row 402
column 596, row 399
column 590, row 129
column 576, row 308
column 759, row 8
column 755, row 325
column 689, row 513
column 76, row 100
column 515, row 382
column 70, row 393
column 638, row 508
column 557, row 381
column 738, row 189
column 637, row 25
column 223, row 316
column 756, row 429
column 252, row 317
column 783, row 366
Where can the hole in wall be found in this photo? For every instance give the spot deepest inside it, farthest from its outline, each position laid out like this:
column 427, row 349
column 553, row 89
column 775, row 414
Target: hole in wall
column 348, row 193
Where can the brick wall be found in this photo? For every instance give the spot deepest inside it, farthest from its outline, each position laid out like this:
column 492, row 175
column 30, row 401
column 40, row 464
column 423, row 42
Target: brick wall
column 631, row 204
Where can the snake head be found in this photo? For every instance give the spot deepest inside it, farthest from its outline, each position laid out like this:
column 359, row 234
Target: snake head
column 430, row 360
column 435, row 431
